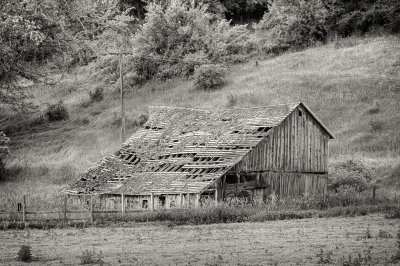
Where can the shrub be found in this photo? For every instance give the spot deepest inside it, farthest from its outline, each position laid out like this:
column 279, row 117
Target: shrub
column 177, row 37
column 24, row 253
column 55, row 112
column 324, row 257
column 376, row 125
column 90, row 257
column 209, row 76
column 292, row 24
column 349, row 175
column 97, row 95
column 384, row 234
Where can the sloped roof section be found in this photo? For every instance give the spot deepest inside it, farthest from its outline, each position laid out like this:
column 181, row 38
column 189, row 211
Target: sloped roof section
column 181, row 150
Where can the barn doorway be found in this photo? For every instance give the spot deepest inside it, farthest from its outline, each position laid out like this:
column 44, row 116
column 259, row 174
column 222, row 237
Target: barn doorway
column 161, row 201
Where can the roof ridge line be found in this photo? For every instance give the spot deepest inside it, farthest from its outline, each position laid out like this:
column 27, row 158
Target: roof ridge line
column 223, row 109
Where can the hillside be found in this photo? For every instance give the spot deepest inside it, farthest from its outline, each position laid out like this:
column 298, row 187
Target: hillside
column 352, row 85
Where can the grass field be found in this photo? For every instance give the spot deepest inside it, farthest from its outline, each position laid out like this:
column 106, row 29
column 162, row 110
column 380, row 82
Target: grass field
column 285, row 242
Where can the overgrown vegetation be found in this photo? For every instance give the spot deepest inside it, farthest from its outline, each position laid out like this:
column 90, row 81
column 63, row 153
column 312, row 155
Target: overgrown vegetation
column 4, row 151
column 25, row 253
column 91, row 257
column 57, row 111
column 209, row 76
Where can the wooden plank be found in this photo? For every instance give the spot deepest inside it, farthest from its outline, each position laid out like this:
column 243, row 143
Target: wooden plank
column 23, row 208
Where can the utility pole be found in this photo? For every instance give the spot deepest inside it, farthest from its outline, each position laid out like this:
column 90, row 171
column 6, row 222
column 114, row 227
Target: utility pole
column 122, row 98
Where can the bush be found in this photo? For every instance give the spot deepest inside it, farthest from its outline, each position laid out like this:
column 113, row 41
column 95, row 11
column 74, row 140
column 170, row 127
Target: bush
column 209, row 76
column 90, row 257
column 57, row 112
column 376, row 125
column 97, row 95
column 24, row 253
column 177, row 37
column 292, row 24
column 349, row 175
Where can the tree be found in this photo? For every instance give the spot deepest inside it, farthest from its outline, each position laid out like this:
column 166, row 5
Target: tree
column 4, row 151
column 293, row 24
column 30, row 31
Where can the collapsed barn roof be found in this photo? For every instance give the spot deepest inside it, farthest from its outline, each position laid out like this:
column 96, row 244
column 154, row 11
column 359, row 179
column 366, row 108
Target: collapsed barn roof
column 182, row 150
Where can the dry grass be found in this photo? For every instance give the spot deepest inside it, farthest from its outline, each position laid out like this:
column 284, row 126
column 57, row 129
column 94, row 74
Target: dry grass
column 284, row 242
column 340, row 82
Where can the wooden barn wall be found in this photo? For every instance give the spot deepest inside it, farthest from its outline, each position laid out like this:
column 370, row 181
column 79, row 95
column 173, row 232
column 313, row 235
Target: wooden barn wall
column 283, row 184
column 299, row 144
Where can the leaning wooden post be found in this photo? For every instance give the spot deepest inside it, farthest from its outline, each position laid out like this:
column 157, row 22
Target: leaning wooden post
column 24, row 208
column 91, row 208
column 152, row 201
column 123, row 203
column 197, row 200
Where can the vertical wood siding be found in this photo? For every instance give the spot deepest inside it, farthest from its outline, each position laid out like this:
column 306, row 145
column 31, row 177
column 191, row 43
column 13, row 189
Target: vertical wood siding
column 299, row 145
column 292, row 160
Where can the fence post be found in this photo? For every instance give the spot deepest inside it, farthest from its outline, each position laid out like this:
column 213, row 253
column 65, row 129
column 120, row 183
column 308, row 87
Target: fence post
column 24, row 208
column 91, row 208
column 373, row 193
column 65, row 208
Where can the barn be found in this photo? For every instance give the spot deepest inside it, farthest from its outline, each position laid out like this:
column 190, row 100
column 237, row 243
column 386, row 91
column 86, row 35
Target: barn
column 185, row 157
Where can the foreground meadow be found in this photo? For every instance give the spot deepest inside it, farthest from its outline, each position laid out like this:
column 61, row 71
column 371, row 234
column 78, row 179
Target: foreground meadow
column 275, row 242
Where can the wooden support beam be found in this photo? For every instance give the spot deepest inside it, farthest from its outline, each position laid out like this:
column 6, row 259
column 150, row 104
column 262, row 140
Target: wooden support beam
column 91, row 208
column 152, row 201
column 65, row 208
column 24, row 208
column 197, row 201
column 123, row 203
column 180, row 200
column 216, row 198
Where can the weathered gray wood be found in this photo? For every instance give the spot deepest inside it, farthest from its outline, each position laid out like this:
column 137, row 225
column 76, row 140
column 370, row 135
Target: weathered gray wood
column 197, row 201
column 24, row 208
column 91, row 208
column 123, row 203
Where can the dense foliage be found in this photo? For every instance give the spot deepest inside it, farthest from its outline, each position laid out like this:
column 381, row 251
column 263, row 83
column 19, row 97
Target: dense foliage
column 169, row 38
column 4, row 151
column 177, row 37
column 292, row 24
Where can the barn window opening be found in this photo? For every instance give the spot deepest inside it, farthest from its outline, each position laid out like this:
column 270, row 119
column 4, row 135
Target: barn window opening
column 144, row 204
column 231, row 179
column 247, row 178
column 161, row 200
column 300, row 113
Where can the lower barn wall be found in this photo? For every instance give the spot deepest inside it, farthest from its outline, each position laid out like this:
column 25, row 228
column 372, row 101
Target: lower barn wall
column 272, row 183
column 112, row 202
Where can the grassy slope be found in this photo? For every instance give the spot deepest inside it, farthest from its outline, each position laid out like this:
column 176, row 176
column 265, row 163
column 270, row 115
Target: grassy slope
column 339, row 82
